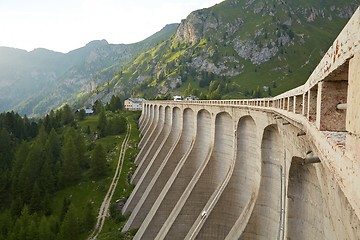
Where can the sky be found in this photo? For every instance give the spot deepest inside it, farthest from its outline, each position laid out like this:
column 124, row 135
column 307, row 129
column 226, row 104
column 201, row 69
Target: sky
column 64, row 25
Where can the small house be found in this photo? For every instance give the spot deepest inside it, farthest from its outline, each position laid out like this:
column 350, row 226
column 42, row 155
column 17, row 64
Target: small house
column 88, row 111
column 133, row 104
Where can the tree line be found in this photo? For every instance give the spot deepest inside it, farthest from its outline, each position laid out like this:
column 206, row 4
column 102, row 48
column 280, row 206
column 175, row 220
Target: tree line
column 38, row 159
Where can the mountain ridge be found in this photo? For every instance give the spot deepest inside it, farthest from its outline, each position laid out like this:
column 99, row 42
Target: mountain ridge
column 34, row 82
column 237, row 49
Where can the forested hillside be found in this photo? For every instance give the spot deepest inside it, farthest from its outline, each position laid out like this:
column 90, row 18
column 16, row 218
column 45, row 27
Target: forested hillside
column 54, row 172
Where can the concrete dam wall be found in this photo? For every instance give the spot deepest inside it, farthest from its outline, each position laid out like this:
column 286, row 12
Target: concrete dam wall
column 286, row 167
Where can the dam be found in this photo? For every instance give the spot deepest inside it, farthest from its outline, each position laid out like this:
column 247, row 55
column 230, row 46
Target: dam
column 286, row 167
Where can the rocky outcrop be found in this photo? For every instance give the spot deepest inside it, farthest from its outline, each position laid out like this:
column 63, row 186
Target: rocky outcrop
column 249, row 50
column 193, row 28
column 204, row 63
column 235, row 42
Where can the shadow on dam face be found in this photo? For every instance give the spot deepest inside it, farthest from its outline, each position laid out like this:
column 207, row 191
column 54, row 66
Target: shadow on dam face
column 305, row 216
column 172, row 180
column 150, row 125
column 213, row 173
column 243, row 185
column 149, row 164
column 160, row 134
column 153, row 180
column 144, row 118
column 265, row 220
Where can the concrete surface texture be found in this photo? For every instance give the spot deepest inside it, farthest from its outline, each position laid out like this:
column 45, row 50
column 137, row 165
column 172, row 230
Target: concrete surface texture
column 285, row 167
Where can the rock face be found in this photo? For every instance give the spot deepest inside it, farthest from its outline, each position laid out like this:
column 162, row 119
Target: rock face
column 238, row 48
column 196, row 25
column 230, row 26
column 249, row 50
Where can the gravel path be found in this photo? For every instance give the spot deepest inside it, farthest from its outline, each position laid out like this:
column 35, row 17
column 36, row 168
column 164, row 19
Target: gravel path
column 104, row 209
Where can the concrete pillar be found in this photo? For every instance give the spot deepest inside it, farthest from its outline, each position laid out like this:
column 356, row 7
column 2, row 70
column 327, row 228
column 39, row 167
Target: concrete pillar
column 146, row 171
column 142, row 117
column 158, row 123
column 151, row 199
column 298, row 104
column 205, row 189
column 353, row 108
column 150, row 125
column 237, row 200
column 305, row 104
column 182, row 175
column 330, row 94
column 311, row 109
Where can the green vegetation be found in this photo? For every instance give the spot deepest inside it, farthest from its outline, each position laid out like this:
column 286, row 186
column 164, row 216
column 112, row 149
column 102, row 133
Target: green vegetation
column 247, row 50
column 60, row 77
column 114, row 224
column 54, row 173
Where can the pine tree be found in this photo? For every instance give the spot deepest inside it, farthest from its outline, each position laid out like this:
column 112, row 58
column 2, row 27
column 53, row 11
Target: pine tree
column 5, row 149
column 42, row 136
column 4, row 186
column 20, row 157
column 114, row 104
column 70, row 168
column 45, row 232
column 6, row 223
column 46, row 178
column 81, row 149
column 102, row 124
column 70, row 227
column 53, row 147
column 82, row 114
column 16, row 207
column 33, row 231
column 21, row 228
column 64, row 208
column 67, row 116
column 98, row 161
column 88, row 218
column 118, row 125
column 98, row 107
column 36, row 198
column 30, row 171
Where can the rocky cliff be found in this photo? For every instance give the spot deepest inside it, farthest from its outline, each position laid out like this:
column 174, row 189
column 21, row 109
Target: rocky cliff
column 239, row 48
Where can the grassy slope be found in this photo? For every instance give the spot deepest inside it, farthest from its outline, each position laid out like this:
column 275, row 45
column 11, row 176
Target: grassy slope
column 113, row 225
column 88, row 190
column 289, row 68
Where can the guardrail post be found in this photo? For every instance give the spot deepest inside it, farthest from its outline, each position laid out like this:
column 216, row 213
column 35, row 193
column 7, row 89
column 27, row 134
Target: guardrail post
column 353, row 108
column 311, row 108
column 298, row 104
column 305, row 104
